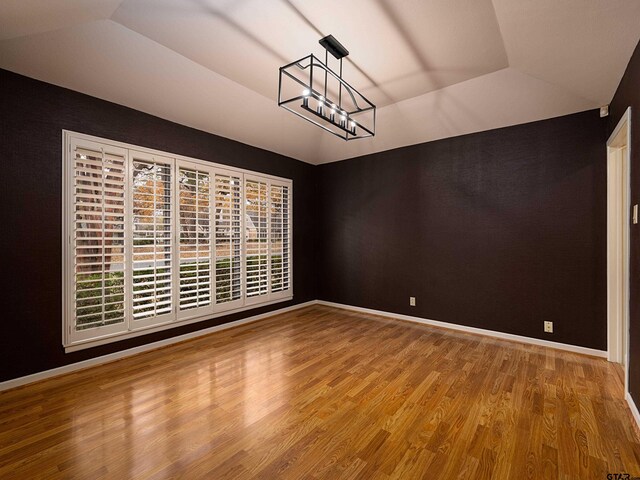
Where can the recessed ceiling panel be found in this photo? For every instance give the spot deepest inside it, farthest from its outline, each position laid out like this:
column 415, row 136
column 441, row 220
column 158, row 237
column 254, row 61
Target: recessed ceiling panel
column 26, row 17
column 437, row 68
column 397, row 50
column 414, row 46
column 244, row 40
column 582, row 45
column 499, row 99
column 108, row 61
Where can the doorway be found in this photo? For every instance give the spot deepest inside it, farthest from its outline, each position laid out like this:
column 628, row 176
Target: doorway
column 618, row 222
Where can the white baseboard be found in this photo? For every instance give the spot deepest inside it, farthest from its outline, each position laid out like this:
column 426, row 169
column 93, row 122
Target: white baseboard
column 16, row 382
column 478, row 331
column 633, row 408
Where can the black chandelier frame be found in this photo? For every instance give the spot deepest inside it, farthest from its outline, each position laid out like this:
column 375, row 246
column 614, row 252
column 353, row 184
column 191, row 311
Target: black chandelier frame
column 330, row 116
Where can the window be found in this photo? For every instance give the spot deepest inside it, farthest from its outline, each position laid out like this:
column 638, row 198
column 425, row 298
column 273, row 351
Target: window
column 155, row 240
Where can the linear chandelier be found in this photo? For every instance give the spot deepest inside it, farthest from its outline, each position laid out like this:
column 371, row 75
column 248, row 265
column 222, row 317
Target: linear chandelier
column 313, row 91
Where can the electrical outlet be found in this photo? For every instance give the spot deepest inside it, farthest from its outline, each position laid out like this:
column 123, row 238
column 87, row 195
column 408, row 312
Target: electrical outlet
column 548, row 327
column 412, row 301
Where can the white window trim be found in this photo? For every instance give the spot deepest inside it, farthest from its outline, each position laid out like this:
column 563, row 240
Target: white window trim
column 70, row 344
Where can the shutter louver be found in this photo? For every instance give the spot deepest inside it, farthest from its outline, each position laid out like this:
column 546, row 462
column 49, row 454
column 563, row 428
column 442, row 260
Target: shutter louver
column 228, row 238
column 152, row 238
column 195, row 238
column 98, row 237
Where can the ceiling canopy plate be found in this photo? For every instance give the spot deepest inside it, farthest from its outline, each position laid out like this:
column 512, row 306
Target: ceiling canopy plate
column 334, row 47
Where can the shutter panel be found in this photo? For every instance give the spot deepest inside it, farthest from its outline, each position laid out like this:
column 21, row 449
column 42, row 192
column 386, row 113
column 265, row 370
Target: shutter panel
column 228, row 240
column 98, row 239
column 280, row 240
column 152, row 235
column 195, row 239
column 256, row 238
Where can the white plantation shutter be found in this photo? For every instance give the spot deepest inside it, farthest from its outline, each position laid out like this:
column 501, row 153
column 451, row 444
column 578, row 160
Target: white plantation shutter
column 280, row 239
column 256, row 239
column 97, row 238
column 228, row 239
column 194, row 220
column 152, row 238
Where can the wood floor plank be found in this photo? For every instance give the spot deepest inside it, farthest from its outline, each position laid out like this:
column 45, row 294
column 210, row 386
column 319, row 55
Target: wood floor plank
column 322, row 393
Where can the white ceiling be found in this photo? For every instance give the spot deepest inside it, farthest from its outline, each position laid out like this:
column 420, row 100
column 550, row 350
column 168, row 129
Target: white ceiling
column 435, row 68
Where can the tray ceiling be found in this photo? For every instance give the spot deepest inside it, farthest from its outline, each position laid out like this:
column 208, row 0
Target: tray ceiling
column 435, row 69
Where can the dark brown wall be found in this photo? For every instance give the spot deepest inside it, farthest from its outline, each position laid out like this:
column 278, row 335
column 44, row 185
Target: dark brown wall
column 32, row 116
column 499, row 230
column 628, row 95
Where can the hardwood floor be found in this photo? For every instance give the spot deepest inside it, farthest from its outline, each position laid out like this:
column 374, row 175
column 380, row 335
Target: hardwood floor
column 325, row 393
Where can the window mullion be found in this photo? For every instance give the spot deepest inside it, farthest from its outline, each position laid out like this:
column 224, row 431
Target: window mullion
column 268, row 239
column 243, row 239
column 174, row 239
column 155, row 238
column 103, row 240
column 128, row 242
column 213, row 286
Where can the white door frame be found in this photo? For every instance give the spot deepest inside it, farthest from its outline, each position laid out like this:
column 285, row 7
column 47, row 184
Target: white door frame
column 618, row 226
